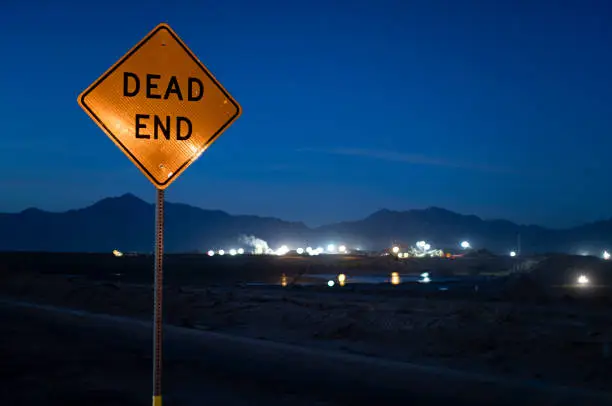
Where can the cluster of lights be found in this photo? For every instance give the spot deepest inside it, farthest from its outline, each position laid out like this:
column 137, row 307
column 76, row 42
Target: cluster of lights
column 284, row 249
column 605, row 255
column 231, row 252
column 341, row 281
column 314, row 251
column 423, row 245
column 396, row 251
column 332, row 249
column 422, row 249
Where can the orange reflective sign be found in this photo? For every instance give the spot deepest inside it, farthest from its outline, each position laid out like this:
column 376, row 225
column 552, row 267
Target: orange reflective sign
column 160, row 105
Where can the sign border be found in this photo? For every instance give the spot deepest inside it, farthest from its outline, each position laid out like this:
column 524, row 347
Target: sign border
column 82, row 102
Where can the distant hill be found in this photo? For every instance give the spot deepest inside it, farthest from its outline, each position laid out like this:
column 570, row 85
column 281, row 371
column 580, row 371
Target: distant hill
column 127, row 223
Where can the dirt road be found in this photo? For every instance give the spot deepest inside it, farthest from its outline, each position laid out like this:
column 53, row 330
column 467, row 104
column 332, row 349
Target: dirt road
column 61, row 359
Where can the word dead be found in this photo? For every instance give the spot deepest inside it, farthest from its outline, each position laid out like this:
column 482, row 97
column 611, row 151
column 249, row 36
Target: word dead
column 152, row 126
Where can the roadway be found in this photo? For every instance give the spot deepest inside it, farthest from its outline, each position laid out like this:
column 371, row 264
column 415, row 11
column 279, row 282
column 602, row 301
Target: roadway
column 58, row 356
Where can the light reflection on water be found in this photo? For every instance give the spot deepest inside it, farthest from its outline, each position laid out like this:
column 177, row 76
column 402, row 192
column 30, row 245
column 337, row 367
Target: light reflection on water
column 365, row 278
column 395, row 278
column 348, row 279
column 385, row 278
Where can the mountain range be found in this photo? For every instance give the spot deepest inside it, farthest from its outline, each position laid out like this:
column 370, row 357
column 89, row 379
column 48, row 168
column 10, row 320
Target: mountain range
column 127, row 223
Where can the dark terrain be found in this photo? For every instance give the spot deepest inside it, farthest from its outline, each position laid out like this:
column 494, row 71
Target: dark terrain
column 536, row 325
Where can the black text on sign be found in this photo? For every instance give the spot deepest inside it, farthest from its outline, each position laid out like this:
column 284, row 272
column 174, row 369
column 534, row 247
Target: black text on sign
column 154, row 86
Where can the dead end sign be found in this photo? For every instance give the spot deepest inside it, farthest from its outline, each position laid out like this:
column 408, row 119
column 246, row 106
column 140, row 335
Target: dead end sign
column 160, row 105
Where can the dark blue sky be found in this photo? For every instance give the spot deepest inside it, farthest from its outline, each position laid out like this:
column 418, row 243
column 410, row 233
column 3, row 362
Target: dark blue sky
column 496, row 108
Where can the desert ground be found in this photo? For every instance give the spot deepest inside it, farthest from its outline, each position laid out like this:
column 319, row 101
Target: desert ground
column 521, row 319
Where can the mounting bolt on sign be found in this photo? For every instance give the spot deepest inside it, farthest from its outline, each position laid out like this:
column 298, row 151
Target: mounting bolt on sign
column 163, row 108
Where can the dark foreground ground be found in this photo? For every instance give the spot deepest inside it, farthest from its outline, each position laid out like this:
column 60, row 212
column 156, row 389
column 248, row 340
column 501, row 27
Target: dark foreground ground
column 58, row 356
column 515, row 329
column 57, row 359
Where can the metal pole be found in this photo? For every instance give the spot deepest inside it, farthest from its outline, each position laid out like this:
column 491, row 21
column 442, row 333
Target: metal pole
column 158, row 291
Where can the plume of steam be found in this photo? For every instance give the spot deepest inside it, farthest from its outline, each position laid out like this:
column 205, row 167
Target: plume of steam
column 258, row 245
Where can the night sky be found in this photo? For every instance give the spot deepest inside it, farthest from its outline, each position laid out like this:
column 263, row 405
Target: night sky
column 497, row 108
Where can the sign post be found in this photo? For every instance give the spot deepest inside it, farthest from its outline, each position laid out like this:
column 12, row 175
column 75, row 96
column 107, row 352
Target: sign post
column 163, row 108
column 158, row 296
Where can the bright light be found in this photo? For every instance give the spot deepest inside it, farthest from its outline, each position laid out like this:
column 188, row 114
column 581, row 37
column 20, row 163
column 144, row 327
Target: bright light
column 342, row 249
column 420, row 244
column 221, row 252
column 606, row 255
column 330, row 283
column 311, row 251
column 233, row 252
column 427, row 247
column 465, row 245
column 583, row 280
column 400, row 255
column 211, row 253
column 319, row 250
column 282, row 250
column 425, row 278
column 395, row 249
column 512, row 253
column 331, row 248
column 300, row 251
column 395, row 278
column 283, row 280
column 117, row 253
column 341, row 278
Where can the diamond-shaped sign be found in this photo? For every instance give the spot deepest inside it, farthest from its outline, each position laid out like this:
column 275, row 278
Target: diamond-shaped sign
column 160, row 105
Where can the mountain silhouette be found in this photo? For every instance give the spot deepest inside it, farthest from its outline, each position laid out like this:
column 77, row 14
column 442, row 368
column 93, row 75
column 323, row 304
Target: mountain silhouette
column 127, row 223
